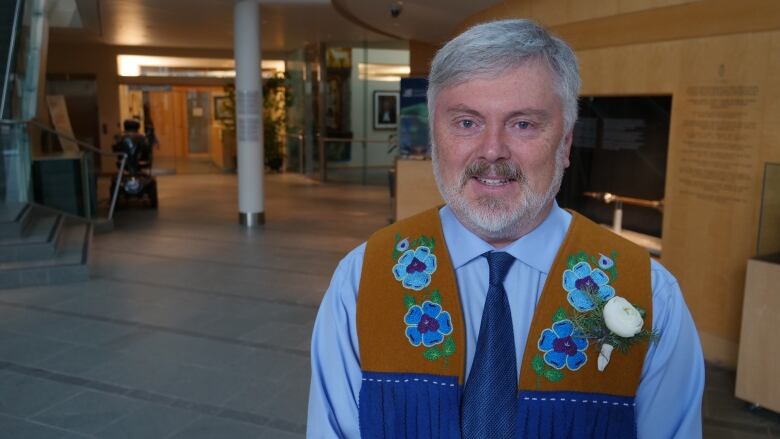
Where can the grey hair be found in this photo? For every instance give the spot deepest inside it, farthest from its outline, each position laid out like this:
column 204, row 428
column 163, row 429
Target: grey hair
column 489, row 49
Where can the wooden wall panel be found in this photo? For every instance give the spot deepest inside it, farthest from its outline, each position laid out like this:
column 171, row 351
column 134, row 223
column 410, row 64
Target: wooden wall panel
column 161, row 109
column 630, row 70
column 714, row 179
column 591, row 24
column 420, row 56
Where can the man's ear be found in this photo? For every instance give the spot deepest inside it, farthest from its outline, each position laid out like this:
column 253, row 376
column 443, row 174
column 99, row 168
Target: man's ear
column 567, row 148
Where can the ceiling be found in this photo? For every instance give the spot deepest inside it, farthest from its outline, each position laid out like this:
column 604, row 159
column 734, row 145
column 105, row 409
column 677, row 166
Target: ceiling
column 285, row 24
column 430, row 21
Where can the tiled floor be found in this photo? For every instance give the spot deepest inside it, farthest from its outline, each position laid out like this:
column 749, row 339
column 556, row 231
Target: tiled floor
column 193, row 327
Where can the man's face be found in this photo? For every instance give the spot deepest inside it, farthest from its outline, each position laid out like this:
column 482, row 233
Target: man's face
column 500, row 150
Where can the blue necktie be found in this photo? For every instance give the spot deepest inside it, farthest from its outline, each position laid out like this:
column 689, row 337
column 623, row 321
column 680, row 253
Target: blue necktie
column 490, row 395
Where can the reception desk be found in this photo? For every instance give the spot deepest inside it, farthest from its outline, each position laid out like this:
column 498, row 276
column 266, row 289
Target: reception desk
column 415, row 187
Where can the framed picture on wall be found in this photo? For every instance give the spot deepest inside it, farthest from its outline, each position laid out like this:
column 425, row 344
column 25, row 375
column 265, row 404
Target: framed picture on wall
column 386, row 105
column 222, row 108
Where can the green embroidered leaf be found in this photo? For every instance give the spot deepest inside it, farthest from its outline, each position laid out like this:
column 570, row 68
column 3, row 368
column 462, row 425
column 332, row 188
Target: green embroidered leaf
column 448, row 348
column 571, row 262
column 538, row 364
column 409, row 301
column 436, row 297
column 424, row 241
column 613, row 273
column 432, row 354
column 559, row 315
column 553, row 375
column 396, row 253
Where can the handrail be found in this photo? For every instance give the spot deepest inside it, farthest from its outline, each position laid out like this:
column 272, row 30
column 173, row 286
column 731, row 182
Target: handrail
column 350, row 139
column 608, row 198
column 9, row 61
column 122, row 156
column 300, row 138
column 65, row 136
column 322, row 140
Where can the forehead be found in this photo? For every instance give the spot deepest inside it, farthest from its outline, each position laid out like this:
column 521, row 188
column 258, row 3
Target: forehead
column 531, row 83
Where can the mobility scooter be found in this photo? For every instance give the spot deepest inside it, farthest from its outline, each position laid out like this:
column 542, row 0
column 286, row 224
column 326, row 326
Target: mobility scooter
column 137, row 180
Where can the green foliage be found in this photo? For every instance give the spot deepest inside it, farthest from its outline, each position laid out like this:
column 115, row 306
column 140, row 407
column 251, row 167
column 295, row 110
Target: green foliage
column 276, row 100
column 436, row 297
column 541, row 369
column 538, row 364
column 613, row 273
column 448, row 348
column 590, row 325
column 396, row 253
column 409, row 301
column 426, row 241
column 230, row 107
column 432, row 354
column 576, row 259
column 553, row 375
column 559, row 315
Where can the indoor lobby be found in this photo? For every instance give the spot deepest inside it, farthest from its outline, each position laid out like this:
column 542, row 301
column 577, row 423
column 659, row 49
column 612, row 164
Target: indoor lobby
column 174, row 294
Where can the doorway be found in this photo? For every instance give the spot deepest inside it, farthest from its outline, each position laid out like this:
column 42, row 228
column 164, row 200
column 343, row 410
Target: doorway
column 190, row 139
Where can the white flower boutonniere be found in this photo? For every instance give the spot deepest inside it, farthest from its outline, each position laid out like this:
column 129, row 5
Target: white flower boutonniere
column 622, row 318
column 615, row 323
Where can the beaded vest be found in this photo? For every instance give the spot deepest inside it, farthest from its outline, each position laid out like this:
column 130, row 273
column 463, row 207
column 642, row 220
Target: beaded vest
column 412, row 339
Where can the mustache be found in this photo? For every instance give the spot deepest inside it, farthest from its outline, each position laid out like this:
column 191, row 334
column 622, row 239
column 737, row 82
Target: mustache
column 502, row 168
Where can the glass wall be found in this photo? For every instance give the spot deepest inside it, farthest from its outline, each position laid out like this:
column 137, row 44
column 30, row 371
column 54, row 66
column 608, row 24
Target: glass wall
column 348, row 114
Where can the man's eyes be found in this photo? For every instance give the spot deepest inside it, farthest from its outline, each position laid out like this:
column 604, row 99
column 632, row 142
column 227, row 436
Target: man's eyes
column 465, row 123
column 471, row 123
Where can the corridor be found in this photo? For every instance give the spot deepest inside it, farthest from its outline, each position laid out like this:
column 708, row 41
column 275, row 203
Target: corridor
column 191, row 326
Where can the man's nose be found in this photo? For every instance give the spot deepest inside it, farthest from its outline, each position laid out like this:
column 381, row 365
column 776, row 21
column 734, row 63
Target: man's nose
column 493, row 144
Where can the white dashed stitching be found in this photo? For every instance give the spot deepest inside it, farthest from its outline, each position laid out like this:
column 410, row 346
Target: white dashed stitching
column 379, row 380
column 533, row 398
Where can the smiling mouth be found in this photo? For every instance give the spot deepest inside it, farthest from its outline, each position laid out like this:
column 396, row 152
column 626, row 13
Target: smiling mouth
column 494, row 181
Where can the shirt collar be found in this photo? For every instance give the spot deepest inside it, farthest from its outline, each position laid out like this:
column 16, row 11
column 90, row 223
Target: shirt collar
column 537, row 248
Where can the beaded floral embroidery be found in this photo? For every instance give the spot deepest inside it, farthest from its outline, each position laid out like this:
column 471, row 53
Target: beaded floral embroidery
column 587, row 284
column 427, row 324
column 415, row 262
column 562, row 347
column 582, row 282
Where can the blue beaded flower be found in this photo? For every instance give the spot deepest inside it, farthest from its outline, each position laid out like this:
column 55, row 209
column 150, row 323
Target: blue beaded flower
column 562, row 346
column 427, row 324
column 415, row 267
column 581, row 280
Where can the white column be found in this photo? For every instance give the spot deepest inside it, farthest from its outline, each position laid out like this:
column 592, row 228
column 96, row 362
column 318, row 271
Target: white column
column 249, row 121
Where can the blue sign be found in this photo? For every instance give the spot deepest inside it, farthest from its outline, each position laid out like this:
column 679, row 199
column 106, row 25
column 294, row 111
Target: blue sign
column 413, row 136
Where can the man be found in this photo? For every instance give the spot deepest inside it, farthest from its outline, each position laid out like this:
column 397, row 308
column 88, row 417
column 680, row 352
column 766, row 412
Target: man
column 425, row 328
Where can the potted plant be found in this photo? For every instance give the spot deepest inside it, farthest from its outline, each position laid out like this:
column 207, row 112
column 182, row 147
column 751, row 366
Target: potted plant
column 276, row 99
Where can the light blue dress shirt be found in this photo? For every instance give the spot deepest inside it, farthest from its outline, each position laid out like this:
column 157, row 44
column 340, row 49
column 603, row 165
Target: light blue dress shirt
column 668, row 401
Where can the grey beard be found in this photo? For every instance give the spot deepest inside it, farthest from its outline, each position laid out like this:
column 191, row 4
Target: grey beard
column 493, row 218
